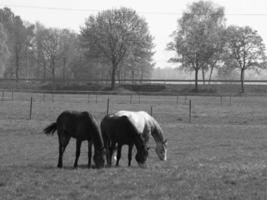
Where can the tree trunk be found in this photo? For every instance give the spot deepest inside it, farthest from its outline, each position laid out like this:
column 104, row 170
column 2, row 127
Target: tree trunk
column 26, row 71
column 64, row 69
column 124, row 76
column 196, row 67
column 53, row 69
column 242, row 80
column 44, row 72
column 142, row 76
column 17, row 65
column 211, row 71
column 119, row 76
column 203, row 75
column 196, row 79
column 132, row 76
column 113, row 75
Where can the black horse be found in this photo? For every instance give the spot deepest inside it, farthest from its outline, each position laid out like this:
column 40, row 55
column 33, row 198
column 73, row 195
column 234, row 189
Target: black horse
column 120, row 130
column 82, row 126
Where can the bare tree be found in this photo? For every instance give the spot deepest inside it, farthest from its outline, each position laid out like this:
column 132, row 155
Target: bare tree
column 68, row 44
column 4, row 52
column 39, row 49
column 195, row 40
column 18, row 41
column 51, row 49
column 246, row 49
column 113, row 35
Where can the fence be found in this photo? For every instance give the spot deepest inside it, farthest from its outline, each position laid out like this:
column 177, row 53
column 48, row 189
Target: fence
column 32, row 103
column 130, row 81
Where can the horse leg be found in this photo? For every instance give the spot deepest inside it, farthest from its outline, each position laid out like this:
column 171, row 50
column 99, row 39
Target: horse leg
column 108, row 153
column 106, row 146
column 78, row 151
column 111, row 150
column 63, row 142
column 118, row 154
column 89, row 153
column 130, row 154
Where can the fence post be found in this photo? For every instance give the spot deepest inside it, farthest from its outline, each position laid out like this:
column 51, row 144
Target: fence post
column 12, row 94
column 3, row 95
column 31, row 109
column 190, row 110
column 107, row 106
column 151, row 110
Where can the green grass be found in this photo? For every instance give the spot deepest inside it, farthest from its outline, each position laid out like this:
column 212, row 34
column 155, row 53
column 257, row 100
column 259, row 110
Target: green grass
column 222, row 154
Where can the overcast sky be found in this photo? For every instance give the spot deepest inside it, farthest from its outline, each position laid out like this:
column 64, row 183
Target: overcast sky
column 161, row 15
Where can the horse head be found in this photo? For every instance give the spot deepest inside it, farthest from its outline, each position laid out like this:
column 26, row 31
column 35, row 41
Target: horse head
column 141, row 156
column 161, row 150
column 99, row 157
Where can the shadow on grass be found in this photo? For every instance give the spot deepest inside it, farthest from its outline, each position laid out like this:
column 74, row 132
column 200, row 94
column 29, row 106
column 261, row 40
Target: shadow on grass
column 47, row 167
column 54, row 167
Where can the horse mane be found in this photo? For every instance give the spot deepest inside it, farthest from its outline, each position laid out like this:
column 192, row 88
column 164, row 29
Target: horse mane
column 133, row 130
column 156, row 130
column 98, row 140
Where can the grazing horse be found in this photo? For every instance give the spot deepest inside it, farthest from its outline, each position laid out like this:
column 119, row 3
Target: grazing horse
column 82, row 126
column 120, row 130
column 146, row 126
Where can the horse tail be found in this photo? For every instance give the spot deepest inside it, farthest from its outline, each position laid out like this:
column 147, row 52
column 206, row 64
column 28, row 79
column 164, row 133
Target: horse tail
column 49, row 130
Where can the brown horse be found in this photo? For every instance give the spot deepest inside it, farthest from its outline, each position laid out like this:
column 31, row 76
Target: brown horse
column 147, row 125
column 120, row 131
column 81, row 126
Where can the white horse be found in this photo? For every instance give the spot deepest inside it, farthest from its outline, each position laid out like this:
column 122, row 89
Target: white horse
column 146, row 126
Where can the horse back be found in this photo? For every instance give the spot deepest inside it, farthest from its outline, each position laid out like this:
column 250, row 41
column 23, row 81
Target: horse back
column 77, row 124
column 136, row 118
column 144, row 123
column 118, row 129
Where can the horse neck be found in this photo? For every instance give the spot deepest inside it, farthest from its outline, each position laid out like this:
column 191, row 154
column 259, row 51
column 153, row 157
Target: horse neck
column 139, row 143
column 97, row 139
column 157, row 133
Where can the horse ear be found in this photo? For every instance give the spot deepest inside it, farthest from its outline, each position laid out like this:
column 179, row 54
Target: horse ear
column 165, row 141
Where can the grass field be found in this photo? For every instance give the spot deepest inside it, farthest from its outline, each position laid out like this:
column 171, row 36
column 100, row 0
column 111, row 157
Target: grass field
column 221, row 154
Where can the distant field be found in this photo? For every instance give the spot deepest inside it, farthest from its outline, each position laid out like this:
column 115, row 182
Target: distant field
column 221, row 154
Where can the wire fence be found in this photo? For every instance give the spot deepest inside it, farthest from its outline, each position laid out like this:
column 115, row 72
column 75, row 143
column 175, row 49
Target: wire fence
column 188, row 109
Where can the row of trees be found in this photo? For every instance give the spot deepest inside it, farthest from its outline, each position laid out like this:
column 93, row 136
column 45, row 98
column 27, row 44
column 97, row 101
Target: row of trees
column 113, row 44
column 203, row 43
column 116, row 44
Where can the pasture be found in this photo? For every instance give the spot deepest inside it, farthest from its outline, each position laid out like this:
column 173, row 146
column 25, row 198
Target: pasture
column 221, row 154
